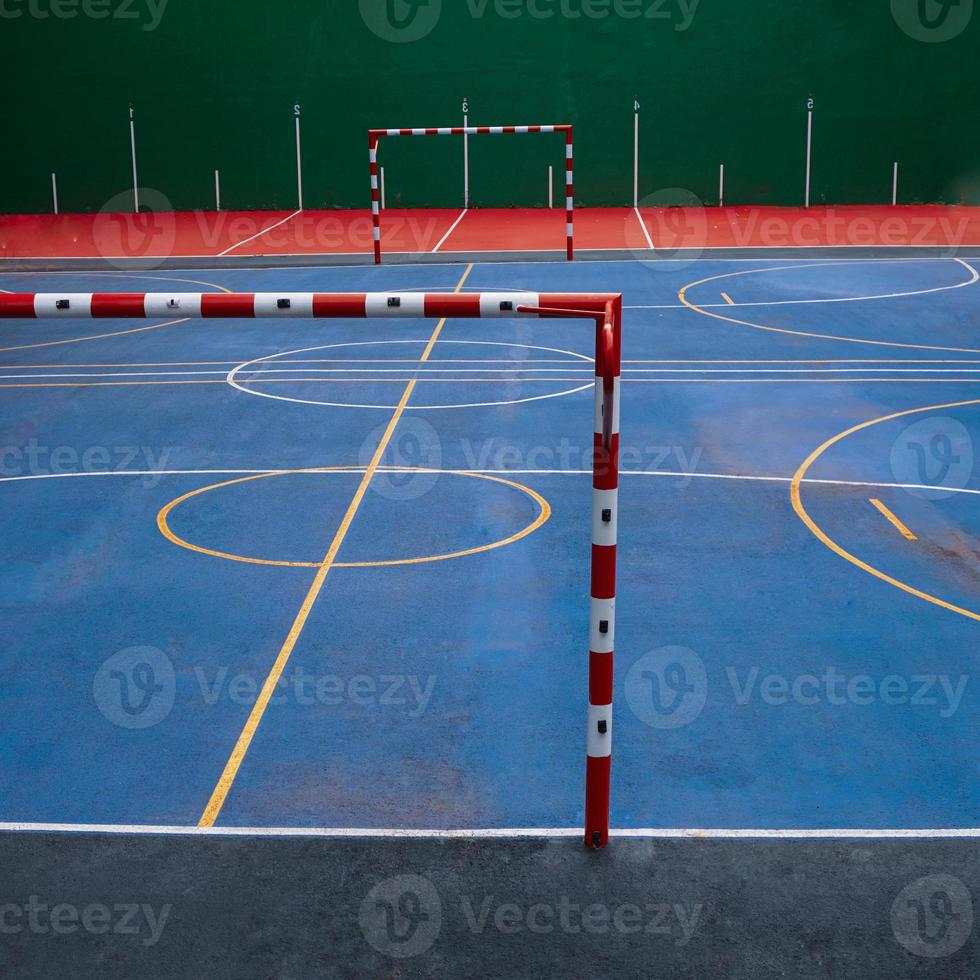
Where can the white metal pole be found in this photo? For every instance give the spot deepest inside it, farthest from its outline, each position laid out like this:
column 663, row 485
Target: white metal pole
column 383, row 205
column 551, row 187
column 132, row 146
column 299, row 167
column 895, row 184
column 636, row 158
column 721, row 186
column 466, row 162
column 54, row 191
column 809, row 152
column 217, row 191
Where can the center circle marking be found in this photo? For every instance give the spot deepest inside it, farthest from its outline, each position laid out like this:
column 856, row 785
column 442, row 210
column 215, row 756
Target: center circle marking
column 240, row 384
column 544, row 513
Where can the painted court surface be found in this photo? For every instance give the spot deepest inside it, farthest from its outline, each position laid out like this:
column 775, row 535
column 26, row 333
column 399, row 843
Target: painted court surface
column 797, row 600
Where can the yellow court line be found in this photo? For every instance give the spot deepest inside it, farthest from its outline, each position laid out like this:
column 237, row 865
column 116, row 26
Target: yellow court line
column 98, row 336
column 824, row 538
column 728, row 299
column 889, row 516
column 227, row 778
column 682, row 296
column 163, row 520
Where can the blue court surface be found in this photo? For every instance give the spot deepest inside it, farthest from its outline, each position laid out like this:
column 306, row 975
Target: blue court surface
column 798, row 554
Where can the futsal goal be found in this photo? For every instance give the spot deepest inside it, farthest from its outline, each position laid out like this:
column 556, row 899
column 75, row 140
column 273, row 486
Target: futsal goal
column 375, row 135
column 605, row 309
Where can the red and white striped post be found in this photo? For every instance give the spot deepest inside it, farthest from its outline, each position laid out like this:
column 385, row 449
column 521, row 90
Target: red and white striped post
column 602, row 606
column 374, row 136
column 375, row 200
column 604, row 308
column 569, row 196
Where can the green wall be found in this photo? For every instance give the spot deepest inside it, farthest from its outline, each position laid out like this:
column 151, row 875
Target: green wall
column 214, row 83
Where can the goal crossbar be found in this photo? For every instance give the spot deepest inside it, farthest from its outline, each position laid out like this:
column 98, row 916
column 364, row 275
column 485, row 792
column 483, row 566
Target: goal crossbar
column 375, row 135
column 605, row 309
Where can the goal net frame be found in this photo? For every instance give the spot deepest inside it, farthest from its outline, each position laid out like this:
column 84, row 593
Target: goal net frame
column 375, row 136
column 605, row 309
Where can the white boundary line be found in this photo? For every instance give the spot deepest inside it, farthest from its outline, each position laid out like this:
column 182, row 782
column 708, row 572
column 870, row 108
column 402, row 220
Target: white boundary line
column 676, row 474
column 646, row 233
column 245, row 241
column 450, row 264
column 452, row 228
column 734, row 833
column 521, row 374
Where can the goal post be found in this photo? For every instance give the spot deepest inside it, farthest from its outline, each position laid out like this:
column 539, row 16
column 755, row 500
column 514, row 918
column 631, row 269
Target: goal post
column 375, row 135
column 605, row 309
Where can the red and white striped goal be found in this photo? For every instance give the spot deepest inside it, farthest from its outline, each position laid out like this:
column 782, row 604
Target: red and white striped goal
column 604, row 308
column 374, row 137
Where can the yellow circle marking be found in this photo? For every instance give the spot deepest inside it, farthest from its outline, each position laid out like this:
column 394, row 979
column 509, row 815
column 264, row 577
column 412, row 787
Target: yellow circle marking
column 801, row 511
column 544, row 512
column 682, row 296
column 120, row 333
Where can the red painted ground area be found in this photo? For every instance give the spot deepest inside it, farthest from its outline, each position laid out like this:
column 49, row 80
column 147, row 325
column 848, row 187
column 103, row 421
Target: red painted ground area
column 204, row 233
column 758, row 227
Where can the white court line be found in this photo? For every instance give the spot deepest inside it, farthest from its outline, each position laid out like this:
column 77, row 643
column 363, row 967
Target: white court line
column 646, row 233
column 733, row 833
column 231, row 378
column 524, row 372
column 245, row 241
column 452, row 228
column 676, row 474
column 455, row 265
column 975, row 277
